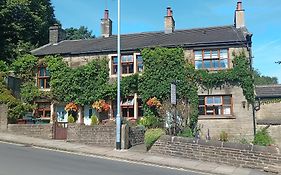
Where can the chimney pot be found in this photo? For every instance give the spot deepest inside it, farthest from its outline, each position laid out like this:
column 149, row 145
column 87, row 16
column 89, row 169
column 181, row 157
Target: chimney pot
column 169, row 11
column 239, row 5
column 106, row 14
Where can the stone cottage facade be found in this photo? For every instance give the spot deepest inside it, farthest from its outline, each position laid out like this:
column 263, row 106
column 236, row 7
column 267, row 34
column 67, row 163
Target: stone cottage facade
column 212, row 48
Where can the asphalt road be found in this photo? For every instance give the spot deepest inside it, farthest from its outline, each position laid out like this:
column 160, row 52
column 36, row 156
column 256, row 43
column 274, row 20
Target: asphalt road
column 24, row 160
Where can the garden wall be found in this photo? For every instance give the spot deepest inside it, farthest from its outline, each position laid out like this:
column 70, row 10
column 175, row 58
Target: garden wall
column 274, row 129
column 3, row 117
column 136, row 136
column 44, row 131
column 235, row 154
column 98, row 135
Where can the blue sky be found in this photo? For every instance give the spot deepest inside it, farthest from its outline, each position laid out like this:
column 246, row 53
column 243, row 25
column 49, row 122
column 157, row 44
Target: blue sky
column 262, row 19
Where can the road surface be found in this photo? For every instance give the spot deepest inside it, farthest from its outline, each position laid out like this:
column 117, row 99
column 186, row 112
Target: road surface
column 24, row 160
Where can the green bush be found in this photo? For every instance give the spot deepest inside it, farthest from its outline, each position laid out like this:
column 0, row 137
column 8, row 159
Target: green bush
column 94, row 120
column 223, row 136
column 186, row 132
column 150, row 121
column 152, row 135
column 262, row 138
column 70, row 119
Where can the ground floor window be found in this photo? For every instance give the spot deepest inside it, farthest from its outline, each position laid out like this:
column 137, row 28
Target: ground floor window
column 215, row 105
column 127, row 107
column 43, row 110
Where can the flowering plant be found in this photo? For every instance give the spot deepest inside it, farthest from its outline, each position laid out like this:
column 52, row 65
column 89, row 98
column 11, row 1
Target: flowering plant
column 154, row 102
column 71, row 107
column 101, row 105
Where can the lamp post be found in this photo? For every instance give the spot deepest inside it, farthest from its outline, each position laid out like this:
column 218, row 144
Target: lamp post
column 118, row 119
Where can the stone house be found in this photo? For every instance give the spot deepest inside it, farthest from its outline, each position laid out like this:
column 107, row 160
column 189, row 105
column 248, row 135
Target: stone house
column 208, row 48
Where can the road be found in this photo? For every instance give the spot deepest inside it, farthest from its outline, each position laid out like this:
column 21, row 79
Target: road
column 24, row 160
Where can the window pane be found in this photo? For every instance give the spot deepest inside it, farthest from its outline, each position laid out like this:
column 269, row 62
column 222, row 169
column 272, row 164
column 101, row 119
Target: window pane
column 198, row 55
column 47, row 83
column 198, row 64
column 216, row 64
column 41, row 83
column 201, row 101
column 227, row 100
column 227, row 110
column 224, row 63
column 131, row 68
column 214, row 54
column 210, row 110
column 114, row 71
column 42, row 71
column 223, row 53
column 127, row 58
column 140, row 112
column 47, row 113
column 47, row 72
column 115, row 60
column 207, row 64
column 210, row 100
column 124, row 112
column 201, row 110
column 207, row 54
column 217, row 100
column 124, row 69
column 140, row 63
column 131, row 112
column 217, row 110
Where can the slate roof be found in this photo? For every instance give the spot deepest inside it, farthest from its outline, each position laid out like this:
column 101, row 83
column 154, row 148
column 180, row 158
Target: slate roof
column 211, row 36
column 268, row 91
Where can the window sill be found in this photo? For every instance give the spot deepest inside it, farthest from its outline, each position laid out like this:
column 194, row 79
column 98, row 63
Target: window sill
column 122, row 75
column 210, row 117
column 43, row 89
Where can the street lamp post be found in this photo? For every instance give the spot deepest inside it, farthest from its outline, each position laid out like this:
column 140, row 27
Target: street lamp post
column 118, row 119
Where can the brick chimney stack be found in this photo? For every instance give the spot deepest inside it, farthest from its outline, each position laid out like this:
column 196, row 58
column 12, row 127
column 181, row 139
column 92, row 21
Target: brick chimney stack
column 239, row 19
column 106, row 25
column 56, row 34
column 169, row 21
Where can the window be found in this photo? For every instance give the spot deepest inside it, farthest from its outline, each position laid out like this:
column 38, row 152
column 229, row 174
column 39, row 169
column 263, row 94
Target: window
column 140, row 63
column 127, row 107
column 127, row 64
column 140, row 110
column 211, row 59
column 43, row 109
column 43, row 78
column 215, row 105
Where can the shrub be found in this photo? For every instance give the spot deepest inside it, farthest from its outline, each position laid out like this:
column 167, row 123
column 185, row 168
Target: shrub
column 94, row 120
column 262, row 138
column 70, row 119
column 151, row 136
column 223, row 136
column 150, row 121
column 186, row 132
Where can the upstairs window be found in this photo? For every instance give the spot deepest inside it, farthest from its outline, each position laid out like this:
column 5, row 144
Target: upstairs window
column 139, row 63
column 43, row 78
column 127, row 64
column 215, row 105
column 215, row 59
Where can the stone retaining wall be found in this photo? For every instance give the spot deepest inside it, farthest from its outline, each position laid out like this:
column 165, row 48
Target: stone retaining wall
column 44, row 131
column 98, row 135
column 136, row 135
column 235, row 154
column 3, row 117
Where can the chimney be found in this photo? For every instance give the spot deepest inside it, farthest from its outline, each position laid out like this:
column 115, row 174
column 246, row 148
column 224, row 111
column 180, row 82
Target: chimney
column 169, row 21
column 56, row 34
column 106, row 25
column 239, row 19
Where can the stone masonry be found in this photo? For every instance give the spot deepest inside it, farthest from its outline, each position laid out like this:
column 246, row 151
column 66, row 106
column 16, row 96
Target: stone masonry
column 234, row 154
column 44, row 131
column 3, row 117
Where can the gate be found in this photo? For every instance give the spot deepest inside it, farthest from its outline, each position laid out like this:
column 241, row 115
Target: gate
column 60, row 130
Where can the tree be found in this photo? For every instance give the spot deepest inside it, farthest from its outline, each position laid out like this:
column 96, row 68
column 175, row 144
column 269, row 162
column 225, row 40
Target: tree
column 81, row 33
column 23, row 26
column 262, row 79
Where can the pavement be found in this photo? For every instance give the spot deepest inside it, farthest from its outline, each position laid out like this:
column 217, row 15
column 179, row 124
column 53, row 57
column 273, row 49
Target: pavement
column 134, row 155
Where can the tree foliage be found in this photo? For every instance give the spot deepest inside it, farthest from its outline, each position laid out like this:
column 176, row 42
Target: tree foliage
column 24, row 25
column 263, row 80
column 81, row 33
